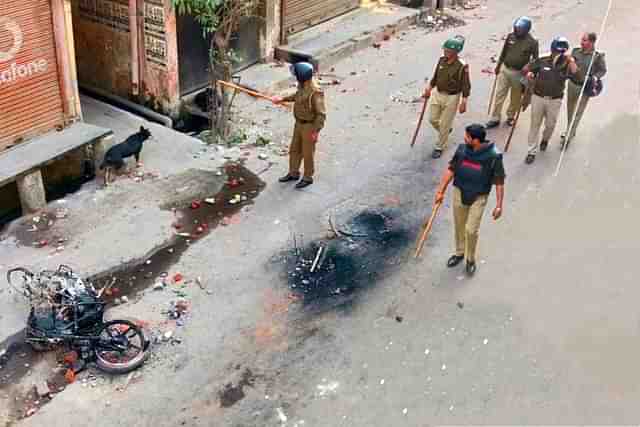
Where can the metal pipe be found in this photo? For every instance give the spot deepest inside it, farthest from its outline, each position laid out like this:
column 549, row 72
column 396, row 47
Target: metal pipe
column 133, row 33
column 137, row 108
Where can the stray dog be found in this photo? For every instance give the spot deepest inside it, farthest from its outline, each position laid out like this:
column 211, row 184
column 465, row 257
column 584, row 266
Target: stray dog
column 132, row 146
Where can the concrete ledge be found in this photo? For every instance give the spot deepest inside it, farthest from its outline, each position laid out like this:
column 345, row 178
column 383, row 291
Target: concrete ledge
column 328, row 43
column 29, row 156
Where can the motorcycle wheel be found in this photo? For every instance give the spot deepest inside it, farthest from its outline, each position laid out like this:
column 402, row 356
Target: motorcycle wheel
column 120, row 362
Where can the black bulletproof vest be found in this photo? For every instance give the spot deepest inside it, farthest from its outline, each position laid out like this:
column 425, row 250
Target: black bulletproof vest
column 473, row 172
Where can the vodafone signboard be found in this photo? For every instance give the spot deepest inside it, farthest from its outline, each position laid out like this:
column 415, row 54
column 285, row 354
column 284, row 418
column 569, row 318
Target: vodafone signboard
column 12, row 71
column 30, row 96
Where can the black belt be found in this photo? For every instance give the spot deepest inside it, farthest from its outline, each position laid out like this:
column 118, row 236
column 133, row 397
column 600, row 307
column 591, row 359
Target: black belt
column 550, row 97
column 304, row 122
column 448, row 93
column 514, row 68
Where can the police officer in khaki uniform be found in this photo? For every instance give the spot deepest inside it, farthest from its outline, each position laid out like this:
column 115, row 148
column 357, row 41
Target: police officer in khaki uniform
column 583, row 55
column 475, row 168
column 310, row 114
column 451, row 83
column 519, row 49
column 548, row 75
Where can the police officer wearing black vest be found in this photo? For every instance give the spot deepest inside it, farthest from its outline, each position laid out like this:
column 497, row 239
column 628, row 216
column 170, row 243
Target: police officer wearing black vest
column 475, row 168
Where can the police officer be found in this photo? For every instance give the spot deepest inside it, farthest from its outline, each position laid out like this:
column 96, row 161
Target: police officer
column 310, row 114
column 519, row 49
column 584, row 55
column 451, row 83
column 475, row 167
column 548, row 75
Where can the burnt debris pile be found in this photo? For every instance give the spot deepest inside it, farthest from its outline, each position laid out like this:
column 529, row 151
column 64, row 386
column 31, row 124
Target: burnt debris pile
column 332, row 272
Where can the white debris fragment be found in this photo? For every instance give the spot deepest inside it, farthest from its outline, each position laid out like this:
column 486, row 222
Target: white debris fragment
column 210, row 200
column 381, row 382
column 281, row 416
column 450, row 408
column 427, row 351
column 405, row 411
column 486, row 341
column 444, row 367
column 324, row 389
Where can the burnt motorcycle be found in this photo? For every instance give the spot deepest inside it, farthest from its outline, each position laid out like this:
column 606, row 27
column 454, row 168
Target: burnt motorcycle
column 67, row 310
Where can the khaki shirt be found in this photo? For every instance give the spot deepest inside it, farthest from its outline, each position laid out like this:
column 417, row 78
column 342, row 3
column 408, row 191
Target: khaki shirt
column 583, row 59
column 452, row 78
column 309, row 105
column 518, row 52
column 550, row 78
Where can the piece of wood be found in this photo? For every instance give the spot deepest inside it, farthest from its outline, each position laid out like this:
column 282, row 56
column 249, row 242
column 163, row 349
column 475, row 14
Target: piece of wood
column 315, row 261
column 249, row 92
column 493, row 94
column 426, row 228
column 424, row 108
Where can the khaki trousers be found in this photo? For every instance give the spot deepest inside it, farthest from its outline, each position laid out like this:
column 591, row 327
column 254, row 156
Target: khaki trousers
column 542, row 109
column 573, row 93
column 467, row 224
column 508, row 80
column 302, row 148
column 442, row 110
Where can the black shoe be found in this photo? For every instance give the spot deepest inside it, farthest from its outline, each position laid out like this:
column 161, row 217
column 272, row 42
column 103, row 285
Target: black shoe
column 454, row 260
column 492, row 124
column 288, row 177
column 544, row 145
column 437, row 153
column 511, row 122
column 471, row 268
column 530, row 159
column 303, row 184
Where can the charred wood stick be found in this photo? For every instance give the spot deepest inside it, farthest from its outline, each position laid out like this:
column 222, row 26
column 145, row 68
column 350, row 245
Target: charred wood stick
column 315, row 261
column 426, row 228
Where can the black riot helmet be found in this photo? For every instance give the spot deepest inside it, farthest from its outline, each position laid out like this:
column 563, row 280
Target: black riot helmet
column 302, row 71
column 522, row 26
column 560, row 45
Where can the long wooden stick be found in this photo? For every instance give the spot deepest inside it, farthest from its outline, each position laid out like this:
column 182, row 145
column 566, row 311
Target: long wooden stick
column 245, row 90
column 426, row 228
column 493, row 94
column 248, row 91
column 424, row 108
column 513, row 128
column 515, row 122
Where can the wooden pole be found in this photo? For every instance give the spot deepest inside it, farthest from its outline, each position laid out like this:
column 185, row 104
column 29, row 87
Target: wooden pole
column 493, row 94
column 424, row 108
column 248, row 92
column 426, row 228
column 515, row 122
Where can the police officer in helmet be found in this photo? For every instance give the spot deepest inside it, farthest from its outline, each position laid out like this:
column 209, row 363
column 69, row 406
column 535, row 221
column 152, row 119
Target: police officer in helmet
column 310, row 113
column 520, row 47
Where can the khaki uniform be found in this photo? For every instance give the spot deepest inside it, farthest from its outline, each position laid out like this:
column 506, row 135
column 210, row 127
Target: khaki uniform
column 548, row 91
column 474, row 175
column 310, row 113
column 449, row 82
column 467, row 219
column 516, row 53
column 598, row 69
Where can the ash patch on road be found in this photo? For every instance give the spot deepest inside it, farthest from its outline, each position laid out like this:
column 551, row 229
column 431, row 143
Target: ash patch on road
column 232, row 394
column 333, row 273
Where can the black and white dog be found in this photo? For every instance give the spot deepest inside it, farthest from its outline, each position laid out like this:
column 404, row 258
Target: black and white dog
column 132, row 146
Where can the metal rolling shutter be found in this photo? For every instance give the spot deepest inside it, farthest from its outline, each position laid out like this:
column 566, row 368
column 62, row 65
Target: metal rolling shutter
column 30, row 95
column 298, row 15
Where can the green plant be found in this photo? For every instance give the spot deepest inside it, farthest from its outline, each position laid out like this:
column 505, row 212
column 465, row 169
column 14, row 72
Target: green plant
column 219, row 20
